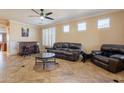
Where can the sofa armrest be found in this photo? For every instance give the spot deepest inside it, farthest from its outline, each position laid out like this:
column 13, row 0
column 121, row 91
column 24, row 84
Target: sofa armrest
column 114, row 61
column 118, row 56
column 96, row 52
column 49, row 49
column 115, row 65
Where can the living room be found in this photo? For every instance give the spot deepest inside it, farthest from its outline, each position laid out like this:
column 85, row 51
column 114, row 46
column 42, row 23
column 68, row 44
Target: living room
column 79, row 35
column 61, row 46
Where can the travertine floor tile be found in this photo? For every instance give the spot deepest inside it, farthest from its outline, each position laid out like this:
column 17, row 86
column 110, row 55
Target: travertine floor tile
column 23, row 69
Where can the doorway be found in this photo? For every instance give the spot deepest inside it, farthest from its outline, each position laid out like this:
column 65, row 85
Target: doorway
column 3, row 40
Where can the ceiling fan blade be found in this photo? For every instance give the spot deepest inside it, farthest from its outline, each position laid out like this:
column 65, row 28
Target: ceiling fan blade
column 35, row 11
column 49, row 18
column 48, row 13
column 34, row 16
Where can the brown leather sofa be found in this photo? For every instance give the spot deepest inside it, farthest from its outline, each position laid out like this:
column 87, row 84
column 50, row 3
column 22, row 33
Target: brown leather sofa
column 110, row 57
column 66, row 50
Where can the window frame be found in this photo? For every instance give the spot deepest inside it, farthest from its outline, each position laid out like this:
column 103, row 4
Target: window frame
column 64, row 26
column 104, row 27
column 82, row 30
column 48, row 38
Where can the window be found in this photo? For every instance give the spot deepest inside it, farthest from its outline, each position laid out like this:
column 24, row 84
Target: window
column 66, row 28
column 1, row 38
column 82, row 26
column 103, row 23
column 49, row 36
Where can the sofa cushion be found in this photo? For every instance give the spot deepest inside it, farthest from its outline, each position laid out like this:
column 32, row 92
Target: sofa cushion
column 102, row 59
column 57, row 51
column 113, row 48
column 68, row 53
column 122, row 50
column 65, row 45
column 106, row 47
column 118, row 56
column 74, row 51
column 57, row 45
column 107, row 54
column 75, row 46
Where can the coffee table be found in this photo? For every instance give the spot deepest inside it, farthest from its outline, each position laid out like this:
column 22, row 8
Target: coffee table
column 45, row 58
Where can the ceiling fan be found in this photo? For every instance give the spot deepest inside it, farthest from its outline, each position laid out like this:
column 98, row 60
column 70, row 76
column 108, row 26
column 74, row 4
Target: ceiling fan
column 42, row 15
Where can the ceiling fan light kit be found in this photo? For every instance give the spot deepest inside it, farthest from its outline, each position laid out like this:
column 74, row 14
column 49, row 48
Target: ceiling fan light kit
column 42, row 17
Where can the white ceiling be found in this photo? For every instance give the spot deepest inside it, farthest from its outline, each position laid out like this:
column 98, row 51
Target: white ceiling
column 22, row 15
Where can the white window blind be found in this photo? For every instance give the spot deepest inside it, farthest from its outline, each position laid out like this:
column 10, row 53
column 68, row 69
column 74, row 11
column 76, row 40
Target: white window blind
column 103, row 23
column 49, row 36
column 82, row 26
column 66, row 28
column 1, row 38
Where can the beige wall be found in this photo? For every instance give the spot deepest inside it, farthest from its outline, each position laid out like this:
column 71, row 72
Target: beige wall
column 15, row 35
column 94, row 38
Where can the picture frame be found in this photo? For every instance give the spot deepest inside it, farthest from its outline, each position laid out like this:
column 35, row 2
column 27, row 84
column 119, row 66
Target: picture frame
column 25, row 32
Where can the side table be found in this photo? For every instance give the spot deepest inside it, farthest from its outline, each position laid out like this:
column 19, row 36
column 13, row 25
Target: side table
column 85, row 56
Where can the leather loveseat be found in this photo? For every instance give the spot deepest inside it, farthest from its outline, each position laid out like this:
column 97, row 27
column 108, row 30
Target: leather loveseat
column 66, row 50
column 110, row 57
